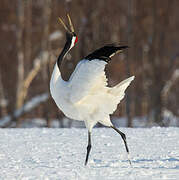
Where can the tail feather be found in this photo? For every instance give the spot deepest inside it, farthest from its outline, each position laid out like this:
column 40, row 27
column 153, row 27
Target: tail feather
column 110, row 100
column 119, row 90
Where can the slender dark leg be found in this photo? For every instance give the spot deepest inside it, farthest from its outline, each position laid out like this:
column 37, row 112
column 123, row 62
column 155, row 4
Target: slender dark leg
column 124, row 139
column 88, row 147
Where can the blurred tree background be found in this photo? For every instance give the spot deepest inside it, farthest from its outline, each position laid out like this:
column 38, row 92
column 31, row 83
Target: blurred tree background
column 31, row 39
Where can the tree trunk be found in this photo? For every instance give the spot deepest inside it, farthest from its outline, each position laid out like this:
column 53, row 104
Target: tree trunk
column 28, row 32
column 46, row 47
column 3, row 101
column 20, row 56
column 129, row 56
column 20, row 52
column 155, row 114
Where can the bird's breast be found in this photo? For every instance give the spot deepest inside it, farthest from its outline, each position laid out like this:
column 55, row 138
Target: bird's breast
column 61, row 97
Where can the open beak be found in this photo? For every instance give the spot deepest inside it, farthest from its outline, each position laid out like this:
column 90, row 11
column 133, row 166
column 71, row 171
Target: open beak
column 71, row 30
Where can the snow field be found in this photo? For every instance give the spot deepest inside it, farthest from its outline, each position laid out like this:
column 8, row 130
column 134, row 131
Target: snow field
column 59, row 154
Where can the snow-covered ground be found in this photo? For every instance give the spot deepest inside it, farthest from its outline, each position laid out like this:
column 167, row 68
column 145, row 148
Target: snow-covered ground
column 33, row 154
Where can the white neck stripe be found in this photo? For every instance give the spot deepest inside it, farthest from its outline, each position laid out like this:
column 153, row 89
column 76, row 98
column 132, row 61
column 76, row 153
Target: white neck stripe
column 73, row 41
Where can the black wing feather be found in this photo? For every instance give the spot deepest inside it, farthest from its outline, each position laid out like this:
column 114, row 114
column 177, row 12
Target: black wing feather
column 105, row 52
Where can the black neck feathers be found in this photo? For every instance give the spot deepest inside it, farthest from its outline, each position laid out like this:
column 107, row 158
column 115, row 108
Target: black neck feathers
column 63, row 53
column 69, row 37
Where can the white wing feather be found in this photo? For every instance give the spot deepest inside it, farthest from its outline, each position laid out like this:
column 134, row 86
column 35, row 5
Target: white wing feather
column 88, row 75
column 119, row 89
column 119, row 92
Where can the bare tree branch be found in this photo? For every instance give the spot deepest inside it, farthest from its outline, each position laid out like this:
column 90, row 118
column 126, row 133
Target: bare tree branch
column 7, row 121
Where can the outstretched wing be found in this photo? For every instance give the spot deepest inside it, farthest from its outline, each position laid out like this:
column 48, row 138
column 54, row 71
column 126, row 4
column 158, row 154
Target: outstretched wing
column 88, row 77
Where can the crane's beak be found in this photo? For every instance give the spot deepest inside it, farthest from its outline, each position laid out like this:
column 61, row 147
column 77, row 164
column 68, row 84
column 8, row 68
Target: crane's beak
column 70, row 22
column 71, row 30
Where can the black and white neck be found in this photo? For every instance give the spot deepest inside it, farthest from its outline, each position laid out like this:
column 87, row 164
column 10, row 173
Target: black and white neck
column 71, row 39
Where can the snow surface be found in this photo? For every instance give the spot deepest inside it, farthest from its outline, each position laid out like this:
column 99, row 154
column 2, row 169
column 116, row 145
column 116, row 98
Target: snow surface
column 51, row 154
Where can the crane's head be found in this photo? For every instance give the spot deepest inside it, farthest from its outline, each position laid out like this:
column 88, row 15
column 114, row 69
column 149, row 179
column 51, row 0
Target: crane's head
column 71, row 36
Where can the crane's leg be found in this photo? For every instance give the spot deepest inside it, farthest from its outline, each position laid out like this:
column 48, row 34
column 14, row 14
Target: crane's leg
column 124, row 139
column 88, row 147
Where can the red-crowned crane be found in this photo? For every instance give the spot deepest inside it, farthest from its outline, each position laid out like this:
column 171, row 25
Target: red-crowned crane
column 86, row 96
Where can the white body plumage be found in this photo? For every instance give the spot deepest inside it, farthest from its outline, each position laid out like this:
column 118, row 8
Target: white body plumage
column 85, row 96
